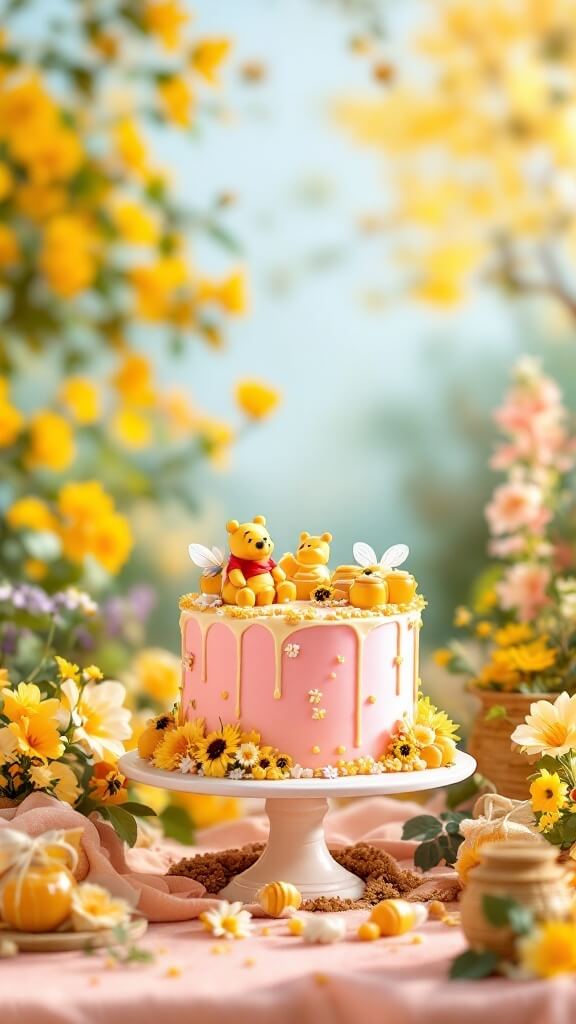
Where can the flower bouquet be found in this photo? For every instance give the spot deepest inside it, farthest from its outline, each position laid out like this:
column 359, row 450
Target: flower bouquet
column 62, row 727
column 521, row 624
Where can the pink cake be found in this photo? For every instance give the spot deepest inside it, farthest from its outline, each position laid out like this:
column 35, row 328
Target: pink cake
column 323, row 684
column 294, row 670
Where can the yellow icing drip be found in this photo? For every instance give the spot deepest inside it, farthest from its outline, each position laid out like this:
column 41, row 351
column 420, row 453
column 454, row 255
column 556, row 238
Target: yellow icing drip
column 278, row 667
column 416, row 634
column 398, row 658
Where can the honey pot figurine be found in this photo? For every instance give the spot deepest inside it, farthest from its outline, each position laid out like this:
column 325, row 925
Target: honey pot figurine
column 380, row 582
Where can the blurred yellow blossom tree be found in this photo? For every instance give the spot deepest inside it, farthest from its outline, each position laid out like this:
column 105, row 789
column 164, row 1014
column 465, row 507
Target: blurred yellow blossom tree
column 476, row 122
column 95, row 254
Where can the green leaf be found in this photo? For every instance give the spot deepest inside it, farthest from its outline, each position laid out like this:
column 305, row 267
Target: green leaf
column 428, row 855
column 495, row 712
column 423, row 826
column 123, row 823
column 177, row 824
column 473, row 964
column 547, row 762
column 503, row 912
column 138, row 810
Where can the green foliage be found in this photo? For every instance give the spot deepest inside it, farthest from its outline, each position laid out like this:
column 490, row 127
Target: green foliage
column 495, row 712
column 503, row 912
column 473, row 965
column 439, row 838
column 177, row 824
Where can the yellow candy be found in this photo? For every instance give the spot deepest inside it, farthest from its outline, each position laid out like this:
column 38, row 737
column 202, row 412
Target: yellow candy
column 368, row 590
column 395, row 917
column 368, row 931
column 40, row 901
column 275, row 897
column 296, row 926
column 401, row 586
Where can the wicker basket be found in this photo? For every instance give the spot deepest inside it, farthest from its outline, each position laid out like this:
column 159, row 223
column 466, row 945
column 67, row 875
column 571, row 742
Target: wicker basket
column 489, row 741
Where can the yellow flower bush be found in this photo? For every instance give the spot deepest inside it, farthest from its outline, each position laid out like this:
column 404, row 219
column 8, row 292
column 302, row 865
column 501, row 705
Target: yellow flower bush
column 476, row 124
column 93, row 246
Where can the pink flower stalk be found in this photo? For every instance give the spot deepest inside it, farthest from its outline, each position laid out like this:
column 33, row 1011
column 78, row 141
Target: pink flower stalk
column 534, row 419
column 517, row 506
column 523, row 590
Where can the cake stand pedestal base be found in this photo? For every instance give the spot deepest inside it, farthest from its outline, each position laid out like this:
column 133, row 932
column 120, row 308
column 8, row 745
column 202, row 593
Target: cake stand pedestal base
column 296, row 852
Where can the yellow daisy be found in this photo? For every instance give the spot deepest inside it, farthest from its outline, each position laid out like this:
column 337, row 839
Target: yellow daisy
column 549, row 950
column 218, row 750
column 177, row 743
column 548, row 792
column 427, row 714
column 514, row 633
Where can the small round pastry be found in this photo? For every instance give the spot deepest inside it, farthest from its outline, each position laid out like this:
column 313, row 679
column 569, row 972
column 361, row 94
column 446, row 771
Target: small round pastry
column 276, row 897
column 401, row 586
column 368, row 590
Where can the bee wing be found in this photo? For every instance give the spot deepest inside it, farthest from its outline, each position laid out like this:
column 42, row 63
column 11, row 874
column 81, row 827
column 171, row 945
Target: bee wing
column 204, row 558
column 395, row 555
column 364, row 554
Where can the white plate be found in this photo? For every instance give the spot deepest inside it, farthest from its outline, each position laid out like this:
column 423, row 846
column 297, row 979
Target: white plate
column 52, row 942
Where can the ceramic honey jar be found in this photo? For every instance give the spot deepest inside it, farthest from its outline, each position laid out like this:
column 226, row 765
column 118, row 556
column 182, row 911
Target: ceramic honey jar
column 526, row 872
column 401, row 586
column 368, row 590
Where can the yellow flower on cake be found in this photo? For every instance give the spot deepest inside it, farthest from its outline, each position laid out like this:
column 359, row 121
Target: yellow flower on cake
column 81, row 398
column 548, row 792
column 228, row 920
column 101, row 722
column 248, row 755
column 30, row 513
column 217, row 751
column 256, row 399
column 266, row 764
column 549, row 728
column 549, row 950
column 428, row 714
column 178, row 743
column 94, row 908
column 25, row 701
column 38, row 736
column 51, row 442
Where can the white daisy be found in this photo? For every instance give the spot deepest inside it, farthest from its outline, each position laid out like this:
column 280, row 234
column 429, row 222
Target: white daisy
column 329, row 772
column 227, row 920
column 248, row 755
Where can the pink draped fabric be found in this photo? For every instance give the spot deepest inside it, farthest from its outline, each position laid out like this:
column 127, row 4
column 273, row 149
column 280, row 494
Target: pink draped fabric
column 268, row 978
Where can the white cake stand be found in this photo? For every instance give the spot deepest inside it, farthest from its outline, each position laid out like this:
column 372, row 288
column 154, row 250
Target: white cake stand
column 296, row 850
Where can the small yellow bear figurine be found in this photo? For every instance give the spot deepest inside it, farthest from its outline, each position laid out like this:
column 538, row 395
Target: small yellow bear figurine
column 252, row 576
column 309, row 566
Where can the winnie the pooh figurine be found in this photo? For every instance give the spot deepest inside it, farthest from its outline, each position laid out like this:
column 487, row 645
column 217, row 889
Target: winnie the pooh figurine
column 308, row 567
column 252, row 576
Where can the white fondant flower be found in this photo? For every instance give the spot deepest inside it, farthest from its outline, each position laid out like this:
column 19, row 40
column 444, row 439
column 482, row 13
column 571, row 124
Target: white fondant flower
column 187, row 765
column 319, row 713
column 292, row 650
column 296, row 771
column 248, row 754
column 228, row 920
column 330, row 772
column 307, row 773
column 324, row 928
column 314, row 696
column 236, row 773
column 208, row 601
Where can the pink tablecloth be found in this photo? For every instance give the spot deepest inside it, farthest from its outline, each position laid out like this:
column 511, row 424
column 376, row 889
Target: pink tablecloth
column 274, row 978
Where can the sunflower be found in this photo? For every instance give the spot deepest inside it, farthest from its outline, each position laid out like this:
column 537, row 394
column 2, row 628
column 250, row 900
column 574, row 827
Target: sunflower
column 153, row 733
column 284, row 762
column 218, row 751
column 266, row 763
column 179, row 742
column 405, row 748
column 548, row 792
column 324, row 592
